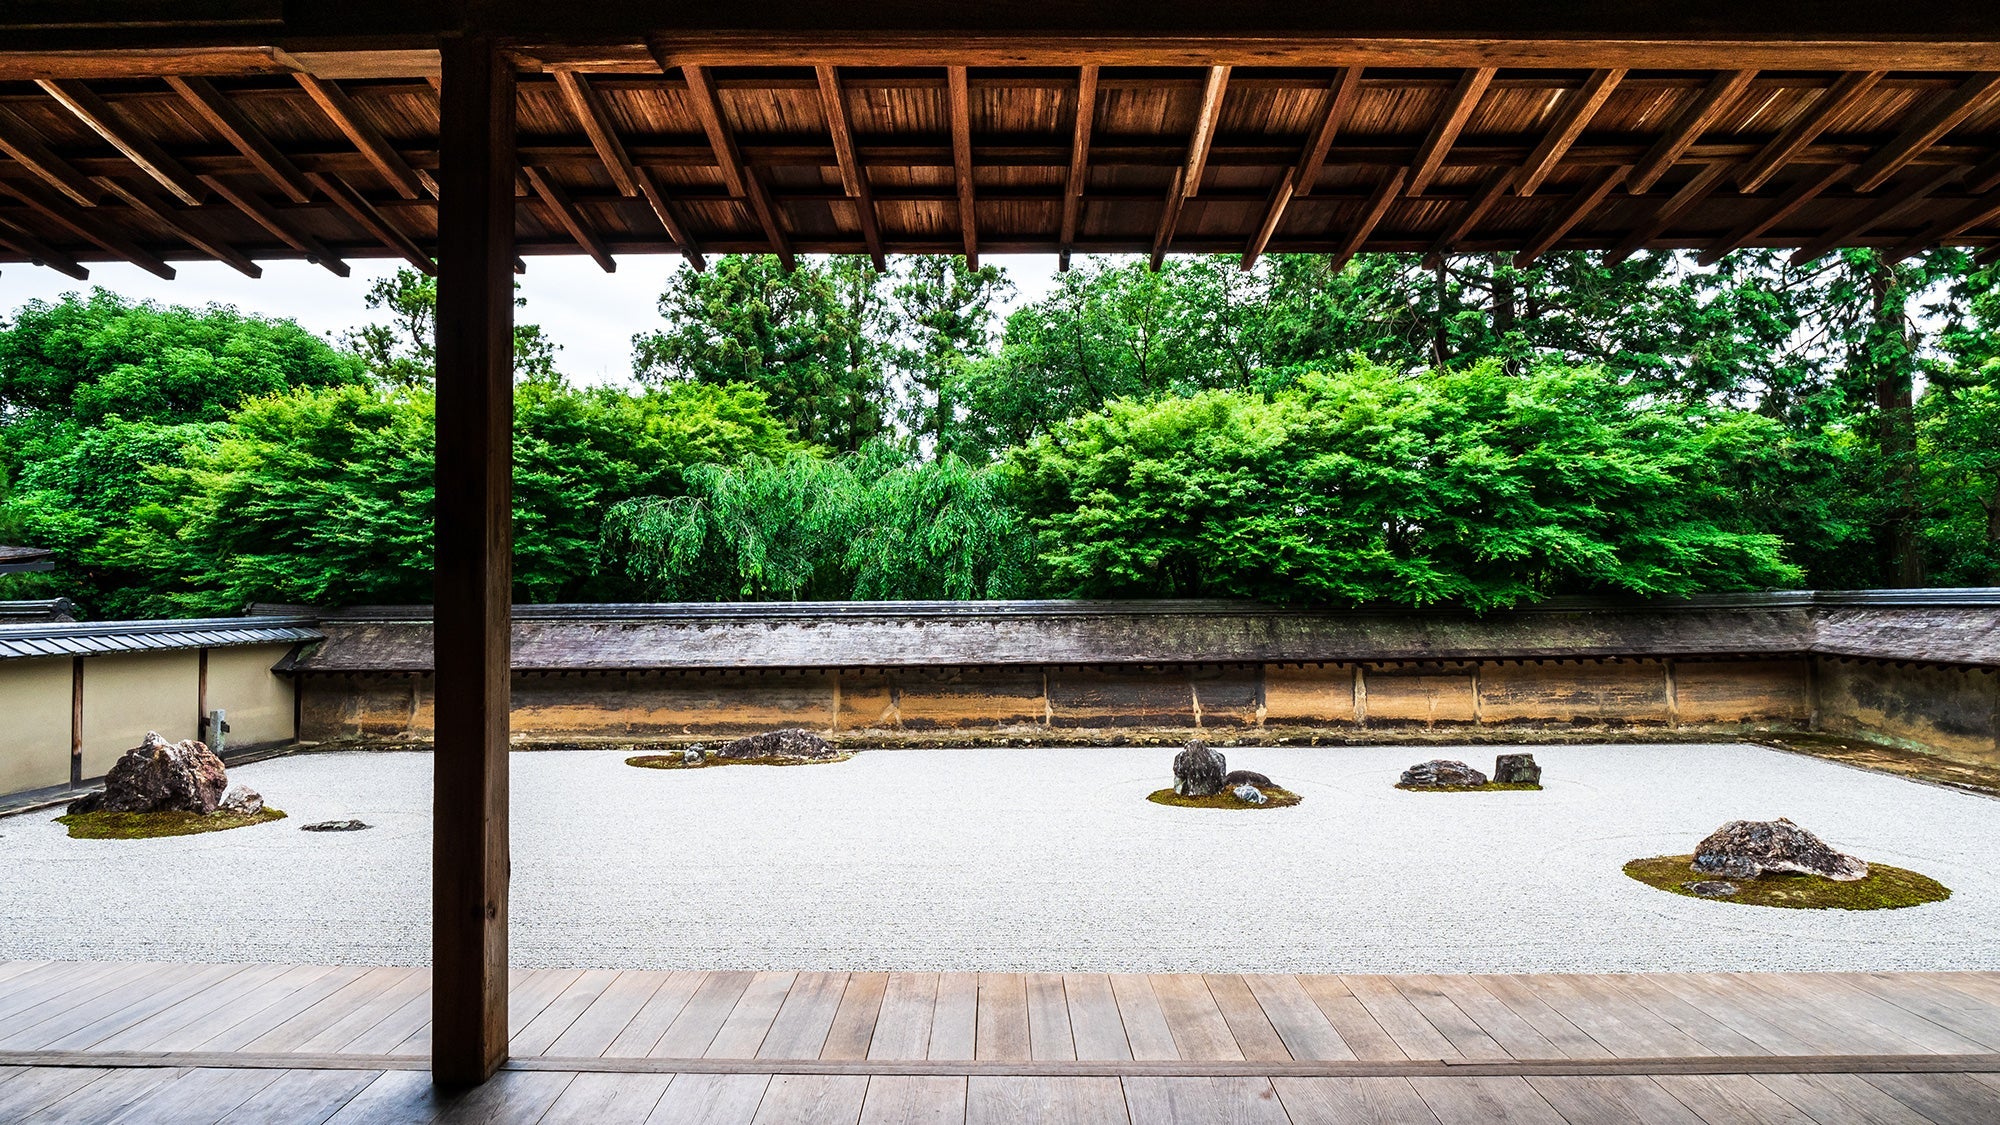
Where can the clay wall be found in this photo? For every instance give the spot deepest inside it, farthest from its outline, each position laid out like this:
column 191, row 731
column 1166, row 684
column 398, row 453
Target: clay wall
column 1950, row 711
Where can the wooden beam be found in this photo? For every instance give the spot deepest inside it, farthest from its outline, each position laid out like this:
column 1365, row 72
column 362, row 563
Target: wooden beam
column 1379, row 201
column 1667, row 214
column 1716, row 100
column 87, row 226
column 1273, row 211
column 676, row 230
column 346, row 116
column 1984, row 177
column 1877, row 213
column 1458, row 107
column 1938, row 118
column 958, row 98
column 474, row 596
column 737, row 175
column 1800, row 194
column 1573, row 212
column 557, row 200
column 242, row 135
column 1471, row 216
column 1170, row 217
column 1079, row 161
column 185, row 226
column 1299, row 179
column 38, row 252
column 853, row 177
column 141, row 150
column 1577, row 110
column 1203, row 140
column 371, row 220
column 595, row 117
column 262, row 212
column 1979, row 212
column 21, row 144
column 1842, row 96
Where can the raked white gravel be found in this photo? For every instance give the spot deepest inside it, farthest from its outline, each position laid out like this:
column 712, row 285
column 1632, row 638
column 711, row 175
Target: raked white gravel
column 1029, row 860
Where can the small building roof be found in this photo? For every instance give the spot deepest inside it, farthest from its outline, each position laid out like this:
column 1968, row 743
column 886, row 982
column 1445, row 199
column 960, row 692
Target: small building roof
column 104, row 638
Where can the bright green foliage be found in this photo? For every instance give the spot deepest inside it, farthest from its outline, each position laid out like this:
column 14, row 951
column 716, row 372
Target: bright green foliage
column 1472, row 487
column 403, row 352
column 944, row 310
column 1958, row 436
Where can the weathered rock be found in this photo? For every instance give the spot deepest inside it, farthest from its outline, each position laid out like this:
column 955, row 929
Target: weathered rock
column 692, row 756
column 334, row 826
column 1249, row 795
column 1745, row 849
column 1711, row 888
column 1198, row 770
column 1440, row 773
column 1235, row 778
column 160, row 776
column 242, row 800
column 1516, row 769
column 791, row 742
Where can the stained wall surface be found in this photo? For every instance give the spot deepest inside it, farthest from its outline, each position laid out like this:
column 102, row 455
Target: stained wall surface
column 1950, row 711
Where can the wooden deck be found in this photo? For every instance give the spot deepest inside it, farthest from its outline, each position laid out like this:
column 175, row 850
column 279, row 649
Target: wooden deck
column 294, row 1043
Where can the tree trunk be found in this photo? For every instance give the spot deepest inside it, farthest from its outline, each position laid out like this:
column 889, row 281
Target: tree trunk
column 1895, row 412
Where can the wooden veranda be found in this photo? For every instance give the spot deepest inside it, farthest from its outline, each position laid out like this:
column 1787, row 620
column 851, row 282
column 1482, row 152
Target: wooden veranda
column 461, row 135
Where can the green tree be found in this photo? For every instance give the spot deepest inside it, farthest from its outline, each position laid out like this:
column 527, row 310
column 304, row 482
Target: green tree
column 945, row 313
column 403, row 352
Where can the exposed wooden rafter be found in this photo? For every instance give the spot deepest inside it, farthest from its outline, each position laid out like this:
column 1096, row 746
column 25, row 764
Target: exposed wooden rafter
column 1079, row 162
column 1458, row 107
column 1187, row 178
column 242, row 135
column 1978, row 212
column 1299, row 179
column 1667, row 214
column 140, row 149
column 1843, row 95
column 1788, row 204
column 1577, row 110
column 741, row 179
column 1471, row 216
column 1877, row 213
column 1273, row 211
column 853, row 177
column 186, row 226
column 1938, row 118
column 1379, row 202
column 1702, row 113
column 1573, row 212
column 268, row 218
column 631, row 180
column 89, row 226
column 369, row 219
column 563, row 207
column 958, row 106
column 346, row 116
column 24, row 243
column 21, row 144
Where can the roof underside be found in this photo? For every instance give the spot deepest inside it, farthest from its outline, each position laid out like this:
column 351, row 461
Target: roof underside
column 245, row 144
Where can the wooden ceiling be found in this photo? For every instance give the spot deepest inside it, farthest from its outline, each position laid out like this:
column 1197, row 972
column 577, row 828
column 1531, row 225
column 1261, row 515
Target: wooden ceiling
column 714, row 144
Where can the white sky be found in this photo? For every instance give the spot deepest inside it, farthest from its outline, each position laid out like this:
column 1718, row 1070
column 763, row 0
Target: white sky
column 592, row 314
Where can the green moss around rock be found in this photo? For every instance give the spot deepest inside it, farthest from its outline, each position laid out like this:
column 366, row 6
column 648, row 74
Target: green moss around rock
column 1489, row 787
column 149, row 825
column 1279, row 799
column 1885, row 888
column 675, row 761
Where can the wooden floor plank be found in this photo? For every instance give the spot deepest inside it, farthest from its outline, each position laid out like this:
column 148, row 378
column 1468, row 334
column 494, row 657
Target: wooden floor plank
column 1200, row 1031
column 1735, row 1012
column 711, row 1099
column 1439, row 1010
column 743, row 1033
column 29, row 1089
column 230, row 1036
column 530, row 992
column 1842, row 1099
column 1933, row 1000
column 1305, row 1030
column 802, row 1025
column 1248, row 1025
column 62, row 982
column 548, row 1025
column 811, row 1099
column 854, row 1021
column 1948, row 1099
column 607, row 1099
column 1732, row 1099
column 396, row 1097
column 955, row 1018
column 405, row 1031
column 196, row 1097
column 1802, row 1022
column 1636, row 1099
column 903, row 1023
column 1203, row 1101
column 1642, row 992
column 168, row 1028
column 912, row 1100
column 643, row 1031
column 706, row 1011
column 12, row 969
column 110, row 1095
column 509, row 1096
column 1550, row 1024
column 598, row 1025
column 301, row 1097
column 1352, row 1101
column 1003, row 1017
column 1516, row 1035
column 334, row 1021
column 1350, row 1017
column 100, row 993
column 1146, row 1030
column 1094, row 1023
column 1486, row 1101
column 1619, row 1029
column 992, row 1100
column 1049, row 1033
column 85, row 1027
column 1413, row 1034
column 1836, row 1001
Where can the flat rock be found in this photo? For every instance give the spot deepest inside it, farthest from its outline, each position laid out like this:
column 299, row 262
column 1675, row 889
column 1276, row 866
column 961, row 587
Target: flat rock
column 1440, row 773
column 1198, row 771
column 1711, row 888
column 160, row 776
column 1745, row 849
column 335, row 826
column 792, row 742
column 1234, row 778
column 1516, row 769
column 1250, row 795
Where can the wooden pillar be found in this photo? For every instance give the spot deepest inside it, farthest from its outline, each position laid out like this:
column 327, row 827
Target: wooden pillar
column 475, row 394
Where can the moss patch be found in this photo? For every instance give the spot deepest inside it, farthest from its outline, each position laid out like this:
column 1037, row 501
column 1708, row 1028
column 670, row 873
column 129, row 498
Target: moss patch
column 675, row 762
column 147, row 825
column 1279, row 799
column 1885, row 888
column 1489, row 787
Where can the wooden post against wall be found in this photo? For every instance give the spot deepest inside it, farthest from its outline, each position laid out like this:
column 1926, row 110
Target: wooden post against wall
column 475, row 390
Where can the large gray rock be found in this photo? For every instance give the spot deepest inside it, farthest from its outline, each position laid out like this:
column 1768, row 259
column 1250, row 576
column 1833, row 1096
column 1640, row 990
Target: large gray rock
column 1198, row 770
column 1235, row 778
column 1745, row 849
column 160, row 776
column 1516, row 769
column 791, row 742
column 1440, row 773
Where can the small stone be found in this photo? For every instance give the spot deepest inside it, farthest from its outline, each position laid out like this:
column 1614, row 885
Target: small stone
column 692, row 756
column 1745, row 849
column 792, row 742
column 1516, row 769
column 1198, row 770
column 241, row 800
column 335, row 826
column 1250, row 795
column 1441, row 773
column 1235, row 778
column 1711, row 888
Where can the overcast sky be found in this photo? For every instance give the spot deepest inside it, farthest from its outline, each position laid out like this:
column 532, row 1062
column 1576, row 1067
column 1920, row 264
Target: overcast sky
column 592, row 314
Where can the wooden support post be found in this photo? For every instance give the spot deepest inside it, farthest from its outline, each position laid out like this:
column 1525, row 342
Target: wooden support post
column 475, row 393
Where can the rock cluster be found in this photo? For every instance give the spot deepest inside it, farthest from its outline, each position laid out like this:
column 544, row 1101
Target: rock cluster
column 1198, row 771
column 1440, row 773
column 1516, row 769
column 162, row 776
column 1745, row 849
column 791, row 742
